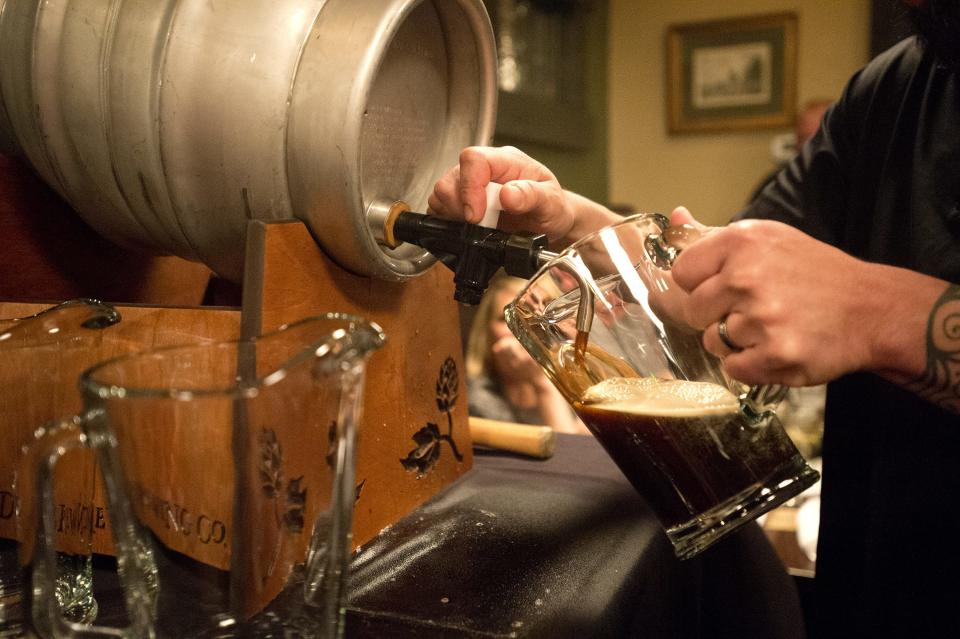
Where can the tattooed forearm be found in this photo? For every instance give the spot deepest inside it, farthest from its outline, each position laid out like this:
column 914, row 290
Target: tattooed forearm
column 940, row 381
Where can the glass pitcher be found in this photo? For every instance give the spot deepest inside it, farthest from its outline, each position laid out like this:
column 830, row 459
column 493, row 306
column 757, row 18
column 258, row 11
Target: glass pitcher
column 230, row 479
column 707, row 452
column 41, row 357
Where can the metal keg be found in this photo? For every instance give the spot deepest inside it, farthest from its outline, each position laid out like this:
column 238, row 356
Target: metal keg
column 169, row 124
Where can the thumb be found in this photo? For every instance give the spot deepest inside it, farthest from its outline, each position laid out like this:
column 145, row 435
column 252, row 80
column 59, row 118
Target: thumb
column 681, row 215
column 521, row 196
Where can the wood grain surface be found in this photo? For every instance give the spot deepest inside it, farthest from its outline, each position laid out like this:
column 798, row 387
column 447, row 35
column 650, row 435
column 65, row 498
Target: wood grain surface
column 294, row 279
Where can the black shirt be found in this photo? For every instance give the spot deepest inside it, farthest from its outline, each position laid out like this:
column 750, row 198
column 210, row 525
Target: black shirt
column 881, row 180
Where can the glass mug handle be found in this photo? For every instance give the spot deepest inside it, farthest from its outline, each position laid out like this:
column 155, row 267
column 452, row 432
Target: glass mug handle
column 51, row 442
column 82, row 312
column 662, row 249
column 328, row 556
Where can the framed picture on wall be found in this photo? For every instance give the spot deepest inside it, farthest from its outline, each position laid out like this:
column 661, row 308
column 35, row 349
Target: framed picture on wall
column 730, row 75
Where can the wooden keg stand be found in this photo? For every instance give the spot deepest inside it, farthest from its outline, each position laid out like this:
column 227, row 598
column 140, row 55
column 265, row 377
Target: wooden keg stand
column 414, row 437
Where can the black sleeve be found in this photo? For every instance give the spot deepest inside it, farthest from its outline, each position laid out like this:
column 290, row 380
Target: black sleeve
column 815, row 191
column 810, row 192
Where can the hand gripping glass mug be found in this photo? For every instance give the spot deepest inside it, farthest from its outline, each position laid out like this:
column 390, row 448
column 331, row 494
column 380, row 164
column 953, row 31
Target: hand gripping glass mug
column 707, row 452
column 229, row 471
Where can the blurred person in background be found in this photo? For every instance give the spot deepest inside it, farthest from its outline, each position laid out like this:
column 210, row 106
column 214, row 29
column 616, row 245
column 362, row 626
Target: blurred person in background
column 845, row 269
column 503, row 381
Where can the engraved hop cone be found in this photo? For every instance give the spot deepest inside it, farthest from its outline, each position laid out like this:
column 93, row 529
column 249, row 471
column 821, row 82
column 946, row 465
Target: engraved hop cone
column 448, row 384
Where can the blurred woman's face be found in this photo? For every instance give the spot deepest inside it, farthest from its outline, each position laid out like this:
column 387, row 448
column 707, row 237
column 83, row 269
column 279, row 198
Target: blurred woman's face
column 498, row 325
column 508, row 359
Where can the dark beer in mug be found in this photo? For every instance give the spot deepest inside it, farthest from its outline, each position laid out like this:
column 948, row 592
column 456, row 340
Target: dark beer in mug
column 690, row 451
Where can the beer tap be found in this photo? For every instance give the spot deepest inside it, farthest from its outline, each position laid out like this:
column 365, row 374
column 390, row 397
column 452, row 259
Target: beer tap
column 473, row 252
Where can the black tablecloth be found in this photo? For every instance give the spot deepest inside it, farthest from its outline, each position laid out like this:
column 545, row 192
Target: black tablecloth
column 550, row 549
column 560, row 548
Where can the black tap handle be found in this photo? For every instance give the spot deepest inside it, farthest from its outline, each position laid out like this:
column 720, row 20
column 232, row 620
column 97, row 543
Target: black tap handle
column 474, row 253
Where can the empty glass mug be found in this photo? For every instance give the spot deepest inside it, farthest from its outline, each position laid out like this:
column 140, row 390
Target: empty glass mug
column 230, row 479
column 41, row 357
column 707, row 452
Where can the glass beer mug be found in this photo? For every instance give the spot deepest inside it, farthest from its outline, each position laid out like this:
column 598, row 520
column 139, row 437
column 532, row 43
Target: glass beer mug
column 229, row 469
column 707, row 452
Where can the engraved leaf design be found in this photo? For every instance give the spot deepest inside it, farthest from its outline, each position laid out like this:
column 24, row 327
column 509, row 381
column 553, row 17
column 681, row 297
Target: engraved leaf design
column 270, row 470
column 296, row 496
column 428, row 439
column 290, row 502
column 296, row 501
column 270, row 467
column 448, row 384
column 422, row 458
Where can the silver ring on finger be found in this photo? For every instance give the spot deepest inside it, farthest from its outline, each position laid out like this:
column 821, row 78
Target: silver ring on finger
column 725, row 337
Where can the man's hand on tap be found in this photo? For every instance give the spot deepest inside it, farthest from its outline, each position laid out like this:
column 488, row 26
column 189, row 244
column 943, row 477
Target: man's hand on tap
column 801, row 311
column 532, row 198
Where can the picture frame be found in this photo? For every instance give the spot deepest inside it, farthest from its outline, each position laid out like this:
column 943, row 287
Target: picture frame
column 732, row 75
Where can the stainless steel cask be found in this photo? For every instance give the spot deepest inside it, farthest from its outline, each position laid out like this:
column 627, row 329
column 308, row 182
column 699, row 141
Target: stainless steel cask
column 168, row 124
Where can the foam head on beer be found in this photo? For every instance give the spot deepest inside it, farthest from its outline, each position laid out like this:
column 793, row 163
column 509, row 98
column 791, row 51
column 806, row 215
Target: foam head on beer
column 648, row 395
